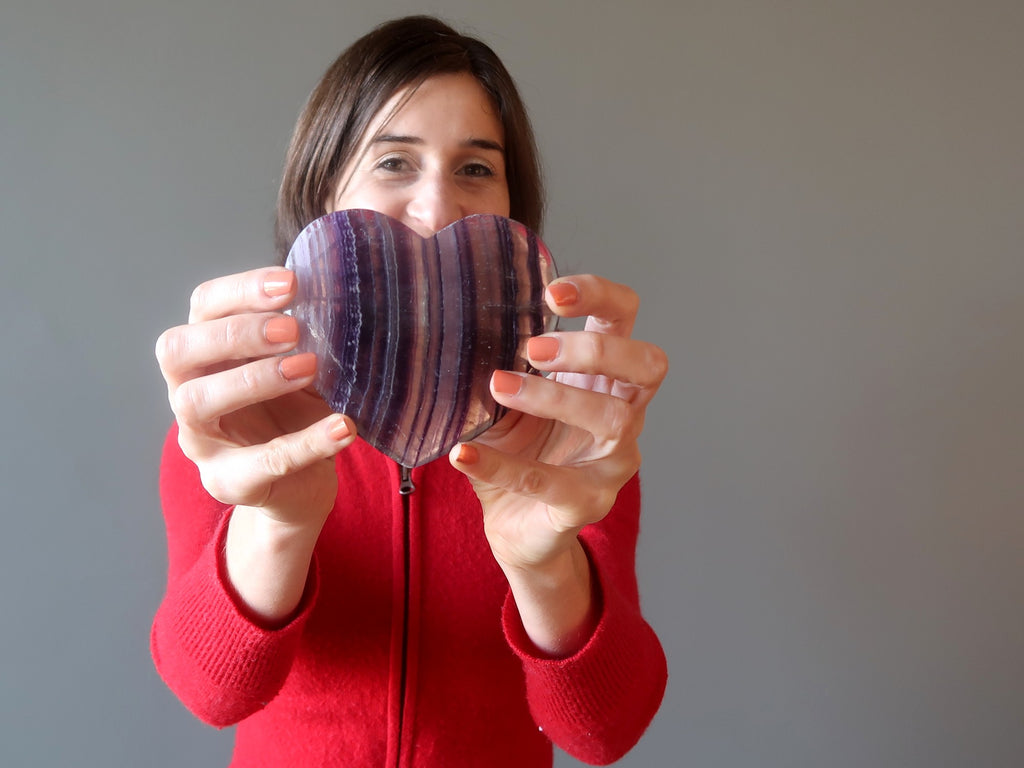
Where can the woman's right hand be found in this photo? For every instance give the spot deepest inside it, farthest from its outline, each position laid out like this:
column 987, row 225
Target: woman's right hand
column 248, row 417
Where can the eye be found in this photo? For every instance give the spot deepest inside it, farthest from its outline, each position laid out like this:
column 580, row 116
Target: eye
column 393, row 164
column 476, row 170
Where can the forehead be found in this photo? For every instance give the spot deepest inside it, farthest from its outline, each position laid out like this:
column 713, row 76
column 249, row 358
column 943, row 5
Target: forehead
column 441, row 104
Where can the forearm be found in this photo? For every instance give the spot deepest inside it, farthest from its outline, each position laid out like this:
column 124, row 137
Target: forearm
column 267, row 564
column 556, row 601
column 597, row 703
column 221, row 664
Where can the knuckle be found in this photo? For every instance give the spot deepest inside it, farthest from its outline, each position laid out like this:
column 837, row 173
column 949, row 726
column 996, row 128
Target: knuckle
column 558, row 398
column 532, row 482
column 563, row 520
column 164, row 346
column 170, row 347
column 189, row 444
column 657, row 363
column 289, row 453
column 187, row 401
column 226, row 489
column 234, row 331
column 197, row 301
column 602, row 501
column 248, row 380
column 595, row 347
column 618, row 417
column 215, row 486
column 275, row 459
column 630, row 300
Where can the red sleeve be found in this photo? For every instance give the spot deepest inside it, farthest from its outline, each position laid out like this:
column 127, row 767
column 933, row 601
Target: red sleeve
column 222, row 665
column 597, row 703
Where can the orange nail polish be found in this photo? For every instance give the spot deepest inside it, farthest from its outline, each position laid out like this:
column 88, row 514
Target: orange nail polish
column 542, row 348
column 278, row 283
column 468, row 454
column 507, row 383
column 338, row 429
column 280, row 330
column 298, row 366
column 564, row 294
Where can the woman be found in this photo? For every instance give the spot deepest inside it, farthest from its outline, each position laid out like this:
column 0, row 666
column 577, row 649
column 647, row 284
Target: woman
column 495, row 608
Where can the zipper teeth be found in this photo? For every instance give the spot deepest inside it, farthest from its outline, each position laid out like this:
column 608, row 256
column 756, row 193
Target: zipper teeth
column 405, row 488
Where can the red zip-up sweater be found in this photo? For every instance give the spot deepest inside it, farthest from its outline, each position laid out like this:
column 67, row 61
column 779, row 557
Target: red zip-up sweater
column 407, row 649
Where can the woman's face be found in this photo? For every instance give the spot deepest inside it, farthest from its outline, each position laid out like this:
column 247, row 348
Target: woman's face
column 439, row 158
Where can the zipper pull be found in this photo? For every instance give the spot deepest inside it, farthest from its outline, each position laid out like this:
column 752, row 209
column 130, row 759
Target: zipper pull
column 405, row 483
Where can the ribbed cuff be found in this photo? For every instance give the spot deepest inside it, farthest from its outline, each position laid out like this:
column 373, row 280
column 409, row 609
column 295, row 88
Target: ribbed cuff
column 596, row 703
column 214, row 655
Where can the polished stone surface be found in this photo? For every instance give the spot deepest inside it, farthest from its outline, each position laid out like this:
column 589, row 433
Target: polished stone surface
column 407, row 330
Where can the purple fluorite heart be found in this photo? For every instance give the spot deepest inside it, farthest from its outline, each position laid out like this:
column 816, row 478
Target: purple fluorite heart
column 408, row 330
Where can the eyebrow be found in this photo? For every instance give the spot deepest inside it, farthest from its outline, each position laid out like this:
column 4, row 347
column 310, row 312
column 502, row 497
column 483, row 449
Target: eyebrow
column 477, row 143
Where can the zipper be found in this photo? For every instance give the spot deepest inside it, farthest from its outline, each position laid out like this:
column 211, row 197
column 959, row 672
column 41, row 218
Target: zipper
column 405, row 484
column 406, row 487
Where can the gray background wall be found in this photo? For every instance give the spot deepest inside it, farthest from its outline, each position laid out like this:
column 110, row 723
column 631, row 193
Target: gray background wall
column 822, row 206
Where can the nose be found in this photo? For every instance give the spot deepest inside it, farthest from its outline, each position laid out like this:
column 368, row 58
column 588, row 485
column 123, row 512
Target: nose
column 435, row 203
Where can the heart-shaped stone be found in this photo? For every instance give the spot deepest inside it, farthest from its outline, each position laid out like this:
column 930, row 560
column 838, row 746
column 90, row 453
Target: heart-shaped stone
column 408, row 330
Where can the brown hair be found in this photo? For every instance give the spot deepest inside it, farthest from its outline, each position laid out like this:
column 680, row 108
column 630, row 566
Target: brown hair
column 400, row 53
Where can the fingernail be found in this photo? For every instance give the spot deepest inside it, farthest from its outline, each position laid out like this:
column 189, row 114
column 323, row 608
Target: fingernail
column 298, row 366
column 278, row 283
column 468, row 454
column 507, row 383
column 564, row 294
column 338, row 429
column 280, row 330
column 542, row 348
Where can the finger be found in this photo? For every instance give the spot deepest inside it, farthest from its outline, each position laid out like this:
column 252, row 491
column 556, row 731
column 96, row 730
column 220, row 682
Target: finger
column 609, row 419
column 246, row 474
column 610, row 307
column 188, row 351
column 259, row 290
column 626, row 360
column 206, row 398
column 574, row 496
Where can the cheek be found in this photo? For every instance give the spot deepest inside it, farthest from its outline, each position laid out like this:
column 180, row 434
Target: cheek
column 367, row 196
column 496, row 201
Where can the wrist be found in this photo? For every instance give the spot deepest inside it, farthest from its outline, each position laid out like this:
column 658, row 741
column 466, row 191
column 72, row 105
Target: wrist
column 267, row 563
column 556, row 601
column 551, row 572
column 270, row 535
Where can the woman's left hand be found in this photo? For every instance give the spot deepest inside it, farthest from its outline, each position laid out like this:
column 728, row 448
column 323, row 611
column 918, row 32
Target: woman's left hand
column 557, row 460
